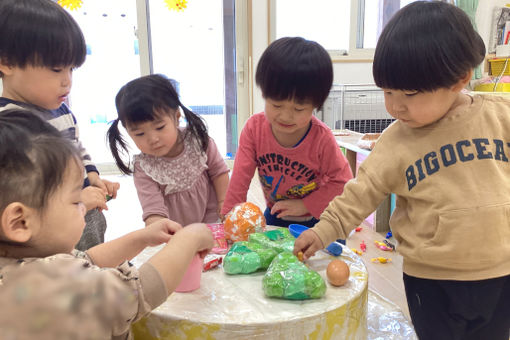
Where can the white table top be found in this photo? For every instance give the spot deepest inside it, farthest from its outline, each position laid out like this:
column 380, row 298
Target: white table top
column 225, row 299
column 350, row 142
column 235, row 307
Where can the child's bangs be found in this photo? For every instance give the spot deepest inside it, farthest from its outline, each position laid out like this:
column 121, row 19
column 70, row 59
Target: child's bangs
column 139, row 104
column 393, row 69
column 301, row 88
column 413, row 67
column 52, row 40
column 414, row 54
column 53, row 47
column 136, row 114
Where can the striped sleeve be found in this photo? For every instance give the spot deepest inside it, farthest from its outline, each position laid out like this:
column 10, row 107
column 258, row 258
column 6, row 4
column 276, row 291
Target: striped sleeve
column 64, row 121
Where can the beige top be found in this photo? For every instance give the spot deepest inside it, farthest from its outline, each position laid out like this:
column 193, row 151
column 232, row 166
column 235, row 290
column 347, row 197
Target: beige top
column 452, row 182
column 66, row 296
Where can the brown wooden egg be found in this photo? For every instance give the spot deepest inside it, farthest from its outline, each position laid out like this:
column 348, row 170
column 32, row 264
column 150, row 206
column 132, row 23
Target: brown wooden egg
column 337, row 272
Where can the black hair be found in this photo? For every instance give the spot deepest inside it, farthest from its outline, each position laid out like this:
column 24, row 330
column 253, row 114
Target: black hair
column 39, row 33
column 293, row 68
column 34, row 158
column 426, row 46
column 142, row 100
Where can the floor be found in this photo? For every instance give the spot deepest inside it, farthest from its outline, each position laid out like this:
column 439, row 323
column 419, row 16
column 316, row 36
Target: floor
column 125, row 215
column 385, row 279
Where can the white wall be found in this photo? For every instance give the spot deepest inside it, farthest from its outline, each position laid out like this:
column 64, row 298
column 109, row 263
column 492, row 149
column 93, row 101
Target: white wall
column 259, row 42
column 484, row 16
column 345, row 72
column 353, row 73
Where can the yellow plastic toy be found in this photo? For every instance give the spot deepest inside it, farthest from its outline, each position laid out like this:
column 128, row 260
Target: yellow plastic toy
column 357, row 251
column 381, row 259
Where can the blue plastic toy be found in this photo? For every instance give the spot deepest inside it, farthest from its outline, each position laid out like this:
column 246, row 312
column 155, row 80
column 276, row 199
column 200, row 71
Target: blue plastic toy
column 297, row 229
column 335, row 248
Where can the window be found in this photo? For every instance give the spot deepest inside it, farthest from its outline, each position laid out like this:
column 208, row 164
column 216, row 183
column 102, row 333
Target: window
column 376, row 13
column 190, row 47
column 346, row 28
column 129, row 38
column 324, row 21
column 113, row 59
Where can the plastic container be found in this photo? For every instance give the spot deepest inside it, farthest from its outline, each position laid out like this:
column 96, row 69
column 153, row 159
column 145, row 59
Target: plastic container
column 191, row 279
column 297, row 229
column 500, row 87
column 496, row 66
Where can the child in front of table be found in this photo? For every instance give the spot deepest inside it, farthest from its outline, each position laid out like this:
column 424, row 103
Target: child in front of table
column 40, row 45
column 179, row 173
column 50, row 291
column 300, row 166
column 446, row 157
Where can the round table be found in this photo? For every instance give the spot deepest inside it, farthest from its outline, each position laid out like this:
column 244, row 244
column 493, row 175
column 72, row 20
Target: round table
column 235, row 307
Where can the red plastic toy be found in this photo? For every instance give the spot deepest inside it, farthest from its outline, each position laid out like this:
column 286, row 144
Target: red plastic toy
column 363, row 246
column 212, row 264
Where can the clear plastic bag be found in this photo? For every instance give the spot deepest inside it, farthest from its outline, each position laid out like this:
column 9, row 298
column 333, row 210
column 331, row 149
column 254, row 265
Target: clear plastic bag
column 288, row 278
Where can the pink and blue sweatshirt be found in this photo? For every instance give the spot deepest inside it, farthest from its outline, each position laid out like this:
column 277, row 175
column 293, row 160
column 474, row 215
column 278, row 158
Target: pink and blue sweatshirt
column 315, row 170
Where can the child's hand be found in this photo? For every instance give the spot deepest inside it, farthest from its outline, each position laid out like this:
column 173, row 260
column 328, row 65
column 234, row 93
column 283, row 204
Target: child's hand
column 307, row 243
column 160, row 231
column 294, row 207
column 111, row 187
column 202, row 234
column 108, row 187
column 93, row 197
column 95, row 181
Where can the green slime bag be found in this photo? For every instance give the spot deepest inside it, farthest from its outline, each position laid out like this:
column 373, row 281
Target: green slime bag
column 288, row 278
column 245, row 257
column 256, row 254
column 279, row 240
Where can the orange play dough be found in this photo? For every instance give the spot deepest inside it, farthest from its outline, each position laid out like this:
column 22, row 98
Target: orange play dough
column 337, row 272
column 243, row 220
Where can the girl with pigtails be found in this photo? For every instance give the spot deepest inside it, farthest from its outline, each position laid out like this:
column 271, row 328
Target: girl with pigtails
column 179, row 174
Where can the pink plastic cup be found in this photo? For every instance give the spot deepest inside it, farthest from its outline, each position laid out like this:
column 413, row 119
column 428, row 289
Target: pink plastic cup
column 191, row 279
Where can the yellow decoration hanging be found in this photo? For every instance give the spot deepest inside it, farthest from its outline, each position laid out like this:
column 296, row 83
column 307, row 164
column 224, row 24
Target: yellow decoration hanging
column 71, row 4
column 176, row 5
